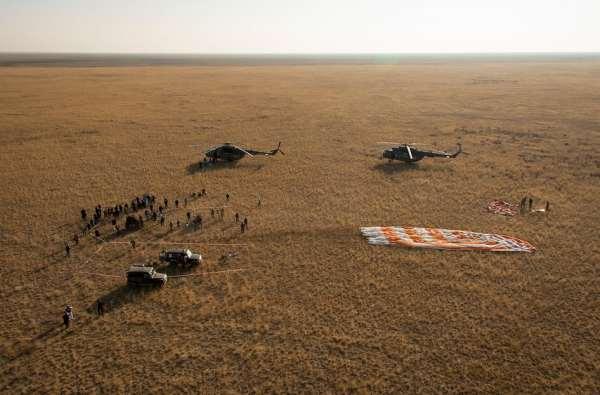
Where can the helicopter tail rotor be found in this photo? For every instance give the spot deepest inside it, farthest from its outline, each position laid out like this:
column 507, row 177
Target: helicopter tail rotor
column 458, row 151
column 278, row 149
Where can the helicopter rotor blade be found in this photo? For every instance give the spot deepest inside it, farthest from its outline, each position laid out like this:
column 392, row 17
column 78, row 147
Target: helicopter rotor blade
column 246, row 152
column 409, row 152
column 396, row 143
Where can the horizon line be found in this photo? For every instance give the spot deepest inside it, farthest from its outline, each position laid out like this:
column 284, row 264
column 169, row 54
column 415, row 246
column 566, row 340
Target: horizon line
column 297, row 53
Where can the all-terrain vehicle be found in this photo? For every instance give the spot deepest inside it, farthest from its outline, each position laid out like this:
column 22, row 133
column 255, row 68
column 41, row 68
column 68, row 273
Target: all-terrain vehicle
column 180, row 256
column 139, row 276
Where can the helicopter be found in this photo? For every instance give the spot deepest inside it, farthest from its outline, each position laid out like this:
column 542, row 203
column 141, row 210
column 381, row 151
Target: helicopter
column 231, row 153
column 410, row 154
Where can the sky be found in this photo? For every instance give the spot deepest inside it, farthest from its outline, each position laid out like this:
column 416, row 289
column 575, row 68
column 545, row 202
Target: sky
column 300, row 26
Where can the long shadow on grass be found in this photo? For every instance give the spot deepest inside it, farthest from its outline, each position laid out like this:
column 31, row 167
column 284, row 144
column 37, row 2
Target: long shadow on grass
column 201, row 167
column 396, row 167
column 401, row 167
column 177, row 270
column 120, row 297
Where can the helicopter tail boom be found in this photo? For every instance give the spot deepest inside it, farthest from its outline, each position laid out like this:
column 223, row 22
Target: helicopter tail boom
column 268, row 153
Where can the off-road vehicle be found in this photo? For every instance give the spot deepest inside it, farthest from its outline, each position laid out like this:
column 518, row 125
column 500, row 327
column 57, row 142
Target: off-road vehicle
column 139, row 276
column 180, row 256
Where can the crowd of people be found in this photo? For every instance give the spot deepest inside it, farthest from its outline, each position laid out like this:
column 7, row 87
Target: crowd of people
column 140, row 209
column 145, row 208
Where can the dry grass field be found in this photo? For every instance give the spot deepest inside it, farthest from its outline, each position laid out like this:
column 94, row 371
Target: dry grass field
column 317, row 309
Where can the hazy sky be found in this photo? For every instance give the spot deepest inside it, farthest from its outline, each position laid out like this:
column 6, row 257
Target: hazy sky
column 299, row 26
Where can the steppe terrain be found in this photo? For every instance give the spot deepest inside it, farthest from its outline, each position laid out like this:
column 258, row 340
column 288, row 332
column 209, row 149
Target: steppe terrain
column 317, row 309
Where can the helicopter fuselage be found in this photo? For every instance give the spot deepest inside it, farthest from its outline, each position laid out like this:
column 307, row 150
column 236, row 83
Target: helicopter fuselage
column 410, row 154
column 226, row 152
column 404, row 154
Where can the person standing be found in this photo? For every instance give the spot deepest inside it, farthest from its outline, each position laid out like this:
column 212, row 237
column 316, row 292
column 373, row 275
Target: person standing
column 68, row 316
column 246, row 223
column 67, row 249
column 66, row 320
column 237, row 217
column 76, row 239
column 132, row 242
column 227, row 197
column 100, row 307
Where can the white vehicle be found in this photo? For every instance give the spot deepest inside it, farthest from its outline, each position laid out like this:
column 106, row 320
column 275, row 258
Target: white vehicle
column 180, row 256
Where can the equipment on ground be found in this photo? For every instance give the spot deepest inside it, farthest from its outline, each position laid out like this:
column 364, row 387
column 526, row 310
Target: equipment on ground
column 503, row 208
column 231, row 153
column 410, row 153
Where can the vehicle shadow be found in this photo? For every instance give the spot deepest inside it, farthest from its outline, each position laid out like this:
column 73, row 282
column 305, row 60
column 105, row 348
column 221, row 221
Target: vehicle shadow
column 120, row 297
column 176, row 270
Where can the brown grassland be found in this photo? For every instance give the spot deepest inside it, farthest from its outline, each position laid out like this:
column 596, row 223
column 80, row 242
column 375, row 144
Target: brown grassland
column 317, row 309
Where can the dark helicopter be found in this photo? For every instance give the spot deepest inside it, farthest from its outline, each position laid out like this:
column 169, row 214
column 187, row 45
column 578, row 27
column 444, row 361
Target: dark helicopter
column 231, row 153
column 409, row 153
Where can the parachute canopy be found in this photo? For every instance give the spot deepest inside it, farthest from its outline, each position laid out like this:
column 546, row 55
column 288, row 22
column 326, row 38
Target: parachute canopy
column 444, row 239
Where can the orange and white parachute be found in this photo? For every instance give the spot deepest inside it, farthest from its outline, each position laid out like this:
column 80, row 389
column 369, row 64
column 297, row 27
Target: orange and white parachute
column 444, row 239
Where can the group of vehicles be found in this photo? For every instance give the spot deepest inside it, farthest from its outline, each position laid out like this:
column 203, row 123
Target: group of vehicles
column 408, row 153
column 141, row 275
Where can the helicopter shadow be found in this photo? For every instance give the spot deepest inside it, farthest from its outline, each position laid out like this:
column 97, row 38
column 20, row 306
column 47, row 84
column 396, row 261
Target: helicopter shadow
column 401, row 167
column 397, row 167
column 203, row 167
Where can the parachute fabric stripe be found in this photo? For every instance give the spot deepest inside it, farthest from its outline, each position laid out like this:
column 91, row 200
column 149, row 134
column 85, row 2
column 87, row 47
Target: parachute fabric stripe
column 444, row 239
column 503, row 208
